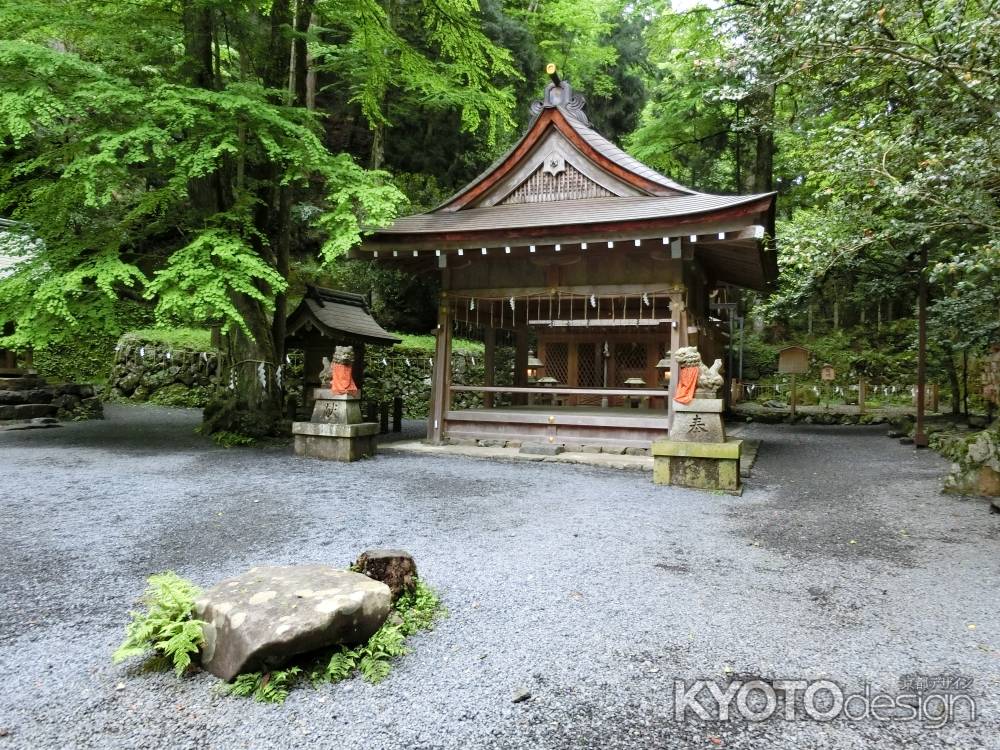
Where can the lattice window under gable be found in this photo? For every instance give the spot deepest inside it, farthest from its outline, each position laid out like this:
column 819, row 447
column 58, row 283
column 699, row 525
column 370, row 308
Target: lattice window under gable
column 570, row 184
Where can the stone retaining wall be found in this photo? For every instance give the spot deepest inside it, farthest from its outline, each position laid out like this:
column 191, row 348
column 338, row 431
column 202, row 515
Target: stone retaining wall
column 149, row 371
column 158, row 373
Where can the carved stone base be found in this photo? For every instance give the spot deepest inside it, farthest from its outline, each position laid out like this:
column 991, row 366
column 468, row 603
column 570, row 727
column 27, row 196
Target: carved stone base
column 336, row 432
column 699, row 421
column 703, row 466
column 340, row 409
column 335, row 442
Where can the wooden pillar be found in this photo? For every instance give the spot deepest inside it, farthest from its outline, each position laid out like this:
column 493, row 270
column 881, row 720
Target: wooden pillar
column 678, row 339
column 397, row 414
column 441, row 377
column 489, row 364
column 521, row 363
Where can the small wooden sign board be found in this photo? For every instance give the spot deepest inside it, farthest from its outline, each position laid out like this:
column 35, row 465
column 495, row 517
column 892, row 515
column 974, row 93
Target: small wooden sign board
column 793, row 360
column 828, row 373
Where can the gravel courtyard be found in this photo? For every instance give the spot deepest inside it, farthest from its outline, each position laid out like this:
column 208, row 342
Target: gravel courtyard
column 593, row 589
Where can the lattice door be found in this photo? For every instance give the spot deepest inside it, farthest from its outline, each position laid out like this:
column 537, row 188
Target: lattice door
column 589, row 372
column 630, row 362
column 557, row 361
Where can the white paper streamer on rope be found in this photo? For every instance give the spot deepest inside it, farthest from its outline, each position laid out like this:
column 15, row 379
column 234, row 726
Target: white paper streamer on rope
column 169, row 356
column 385, row 362
column 593, row 301
column 204, row 357
column 277, row 377
column 232, row 380
column 142, row 351
column 407, row 360
column 645, row 299
column 262, row 375
column 511, row 303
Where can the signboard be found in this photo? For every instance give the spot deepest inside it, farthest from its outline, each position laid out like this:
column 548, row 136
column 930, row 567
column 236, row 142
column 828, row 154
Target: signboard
column 828, row 373
column 793, row 360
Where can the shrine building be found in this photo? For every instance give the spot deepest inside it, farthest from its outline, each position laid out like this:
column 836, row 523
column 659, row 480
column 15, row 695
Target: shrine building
column 598, row 265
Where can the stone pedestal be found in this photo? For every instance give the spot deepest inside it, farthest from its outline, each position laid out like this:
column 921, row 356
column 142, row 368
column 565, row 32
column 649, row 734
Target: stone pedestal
column 697, row 454
column 699, row 421
column 703, row 466
column 335, row 432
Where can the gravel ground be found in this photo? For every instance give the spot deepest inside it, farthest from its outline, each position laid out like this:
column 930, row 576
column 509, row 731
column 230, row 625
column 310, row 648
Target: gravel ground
column 591, row 588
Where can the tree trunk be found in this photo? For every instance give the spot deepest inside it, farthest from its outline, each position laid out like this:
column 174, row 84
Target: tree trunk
column 955, row 383
column 965, row 384
column 250, row 399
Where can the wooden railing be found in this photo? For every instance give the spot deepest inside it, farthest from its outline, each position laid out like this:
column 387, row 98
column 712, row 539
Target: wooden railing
column 562, row 391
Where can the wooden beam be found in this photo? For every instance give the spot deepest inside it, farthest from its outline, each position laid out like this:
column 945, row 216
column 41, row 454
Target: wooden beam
column 560, row 391
column 569, row 237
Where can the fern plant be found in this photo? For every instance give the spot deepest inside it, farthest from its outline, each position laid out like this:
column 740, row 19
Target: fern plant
column 232, row 439
column 166, row 629
column 168, row 635
column 267, row 687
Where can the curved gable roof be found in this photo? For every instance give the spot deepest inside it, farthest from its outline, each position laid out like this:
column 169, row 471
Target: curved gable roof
column 597, row 149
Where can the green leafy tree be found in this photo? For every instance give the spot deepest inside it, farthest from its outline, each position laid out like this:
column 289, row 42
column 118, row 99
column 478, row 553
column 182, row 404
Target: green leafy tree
column 166, row 152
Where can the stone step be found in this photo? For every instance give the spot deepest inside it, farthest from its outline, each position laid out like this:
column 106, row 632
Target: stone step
column 24, row 383
column 27, row 411
column 34, row 396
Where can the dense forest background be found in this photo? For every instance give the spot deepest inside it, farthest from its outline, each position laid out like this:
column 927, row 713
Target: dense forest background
column 195, row 162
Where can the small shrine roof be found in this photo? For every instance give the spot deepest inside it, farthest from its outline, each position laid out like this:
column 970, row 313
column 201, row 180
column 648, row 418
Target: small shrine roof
column 338, row 315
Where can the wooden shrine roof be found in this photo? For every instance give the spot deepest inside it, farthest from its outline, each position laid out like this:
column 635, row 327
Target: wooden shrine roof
column 563, row 182
column 337, row 315
column 560, row 213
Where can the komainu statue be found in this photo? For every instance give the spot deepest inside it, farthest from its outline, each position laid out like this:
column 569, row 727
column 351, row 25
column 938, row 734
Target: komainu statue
column 695, row 376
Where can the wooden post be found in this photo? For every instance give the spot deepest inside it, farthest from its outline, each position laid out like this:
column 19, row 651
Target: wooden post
column 489, row 364
column 861, row 396
column 397, row 414
column 793, row 395
column 520, row 362
column 441, row 377
column 383, row 418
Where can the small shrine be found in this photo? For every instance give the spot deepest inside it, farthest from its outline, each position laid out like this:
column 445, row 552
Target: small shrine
column 597, row 266
column 324, row 320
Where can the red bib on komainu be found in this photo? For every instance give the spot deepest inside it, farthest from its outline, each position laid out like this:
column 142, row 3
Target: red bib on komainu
column 688, row 382
column 342, row 382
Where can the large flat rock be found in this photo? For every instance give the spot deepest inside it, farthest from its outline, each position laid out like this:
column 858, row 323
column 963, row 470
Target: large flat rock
column 259, row 619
